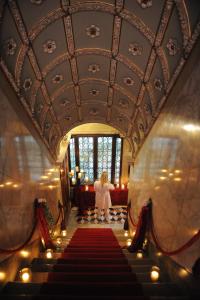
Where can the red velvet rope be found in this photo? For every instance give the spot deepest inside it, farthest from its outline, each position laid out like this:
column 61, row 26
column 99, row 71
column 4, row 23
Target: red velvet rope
column 43, row 227
column 180, row 249
column 133, row 223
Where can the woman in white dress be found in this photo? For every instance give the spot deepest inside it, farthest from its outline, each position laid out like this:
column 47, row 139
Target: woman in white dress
column 102, row 188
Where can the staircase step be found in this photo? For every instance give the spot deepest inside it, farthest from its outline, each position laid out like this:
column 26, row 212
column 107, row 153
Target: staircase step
column 81, row 261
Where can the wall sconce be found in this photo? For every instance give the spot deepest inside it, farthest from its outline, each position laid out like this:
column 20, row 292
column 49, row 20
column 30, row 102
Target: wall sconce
column 2, row 276
column 126, row 233
column 49, row 253
column 64, row 232
column 25, row 274
column 128, row 242
column 24, row 253
column 139, row 254
column 155, row 273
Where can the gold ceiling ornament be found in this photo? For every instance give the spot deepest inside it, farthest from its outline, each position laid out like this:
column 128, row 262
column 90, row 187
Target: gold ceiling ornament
column 128, row 81
column 49, row 46
column 145, row 3
column 93, row 31
column 94, row 92
column 135, row 49
column 158, row 84
column 57, row 78
column 93, row 68
column 27, row 84
column 124, row 103
column 172, row 46
column 64, row 102
column 10, row 46
column 94, row 111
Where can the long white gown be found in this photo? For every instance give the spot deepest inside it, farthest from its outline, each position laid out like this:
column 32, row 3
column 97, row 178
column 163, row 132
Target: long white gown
column 102, row 197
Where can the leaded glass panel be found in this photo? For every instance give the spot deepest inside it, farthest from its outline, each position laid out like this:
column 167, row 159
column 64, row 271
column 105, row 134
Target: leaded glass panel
column 118, row 159
column 72, row 154
column 104, row 153
column 86, row 156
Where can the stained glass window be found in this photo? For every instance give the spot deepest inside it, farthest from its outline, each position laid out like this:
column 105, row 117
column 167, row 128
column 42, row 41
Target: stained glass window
column 86, row 156
column 72, row 154
column 104, row 160
column 118, row 159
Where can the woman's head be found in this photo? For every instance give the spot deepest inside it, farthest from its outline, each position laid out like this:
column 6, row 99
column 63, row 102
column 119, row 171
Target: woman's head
column 104, row 177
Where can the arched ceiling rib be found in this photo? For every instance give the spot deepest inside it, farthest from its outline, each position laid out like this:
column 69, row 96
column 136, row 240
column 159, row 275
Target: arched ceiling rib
column 112, row 61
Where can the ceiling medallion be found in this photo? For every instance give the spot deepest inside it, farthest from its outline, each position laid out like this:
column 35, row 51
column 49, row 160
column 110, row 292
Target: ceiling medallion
column 172, row 46
column 158, row 84
column 64, row 102
column 93, row 31
column 27, row 84
column 57, row 78
column 93, row 112
column 47, row 125
column 145, row 3
column 93, row 68
column 67, row 118
column 49, row 46
column 123, row 103
column 94, row 92
column 10, row 46
column 135, row 49
column 128, row 81
column 37, row 2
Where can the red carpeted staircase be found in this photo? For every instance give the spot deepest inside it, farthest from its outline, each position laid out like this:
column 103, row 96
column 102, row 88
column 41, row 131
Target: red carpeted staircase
column 93, row 266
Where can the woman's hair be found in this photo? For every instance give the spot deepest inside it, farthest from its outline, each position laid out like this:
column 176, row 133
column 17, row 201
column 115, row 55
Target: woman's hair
column 104, row 177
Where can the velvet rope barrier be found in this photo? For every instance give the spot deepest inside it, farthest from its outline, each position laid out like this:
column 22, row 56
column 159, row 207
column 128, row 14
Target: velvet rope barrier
column 8, row 251
column 174, row 252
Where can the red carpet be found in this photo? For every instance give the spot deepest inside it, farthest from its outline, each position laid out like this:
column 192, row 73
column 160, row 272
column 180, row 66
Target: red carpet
column 94, row 265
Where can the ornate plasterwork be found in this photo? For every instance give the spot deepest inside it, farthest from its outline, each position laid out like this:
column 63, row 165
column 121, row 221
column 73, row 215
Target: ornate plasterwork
column 158, row 84
column 27, row 84
column 93, row 68
column 123, row 103
column 135, row 49
column 93, row 31
column 10, row 46
column 128, row 81
column 172, row 46
column 49, row 46
column 94, row 112
column 145, row 3
column 94, row 92
column 57, row 78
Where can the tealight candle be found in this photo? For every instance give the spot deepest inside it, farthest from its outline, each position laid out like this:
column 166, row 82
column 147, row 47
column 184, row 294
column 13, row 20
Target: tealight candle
column 117, row 185
column 86, row 187
column 49, row 253
column 123, row 186
column 126, row 233
column 25, row 274
column 73, row 180
column 155, row 273
column 139, row 254
column 128, row 242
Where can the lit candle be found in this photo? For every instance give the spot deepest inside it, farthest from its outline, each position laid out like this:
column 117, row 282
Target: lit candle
column 2, row 276
column 86, row 178
column 123, row 186
column 73, row 180
column 126, row 233
column 64, row 232
column 128, row 242
column 86, row 187
column 25, row 275
column 77, row 168
column 117, row 185
column 49, row 253
column 79, row 175
column 72, row 172
column 155, row 273
column 139, row 254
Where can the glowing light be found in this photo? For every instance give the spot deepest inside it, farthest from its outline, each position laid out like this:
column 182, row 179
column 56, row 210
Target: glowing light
column 79, row 175
column 49, row 173
column 2, row 185
column 8, row 183
column 2, row 276
column 50, row 187
column 25, row 275
column 72, row 172
column 162, row 178
column 58, row 241
column 139, row 255
column 51, row 170
column 128, row 242
column 24, row 253
column 15, row 185
column 64, row 232
column 43, row 242
column 159, row 254
column 44, row 177
column 171, row 174
column 117, row 185
column 164, row 170
column 123, row 186
column 157, row 188
column 73, row 180
column 133, row 233
column 49, row 253
column 183, row 273
column 177, row 171
column 177, row 179
column 56, row 179
column 126, row 233
column 191, row 127
column 86, row 188
column 77, row 168
column 86, row 179
column 155, row 273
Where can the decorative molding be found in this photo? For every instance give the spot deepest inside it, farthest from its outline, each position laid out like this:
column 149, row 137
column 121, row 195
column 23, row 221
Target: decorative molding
column 128, row 81
column 192, row 41
column 9, row 76
column 20, row 62
column 93, row 68
column 56, row 79
column 150, row 65
column 135, row 49
column 10, row 46
column 141, row 94
column 123, row 103
column 164, row 65
column 172, row 46
column 34, row 64
column 130, row 64
column 113, row 69
column 116, row 35
column 110, row 96
column 184, row 20
column 34, row 90
column 74, row 70
column 94, row 92
column 145, row 3
column 27, row 84
column 92, row 31
column 94, row 112
column 49, row 46
column 54, row 63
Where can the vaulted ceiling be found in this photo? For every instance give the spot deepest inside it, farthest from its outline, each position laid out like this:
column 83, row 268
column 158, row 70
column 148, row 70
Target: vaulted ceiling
column 111, row 61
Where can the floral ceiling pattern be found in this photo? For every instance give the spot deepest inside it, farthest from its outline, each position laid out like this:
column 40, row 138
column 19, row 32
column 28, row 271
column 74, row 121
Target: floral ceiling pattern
column 113, row 57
